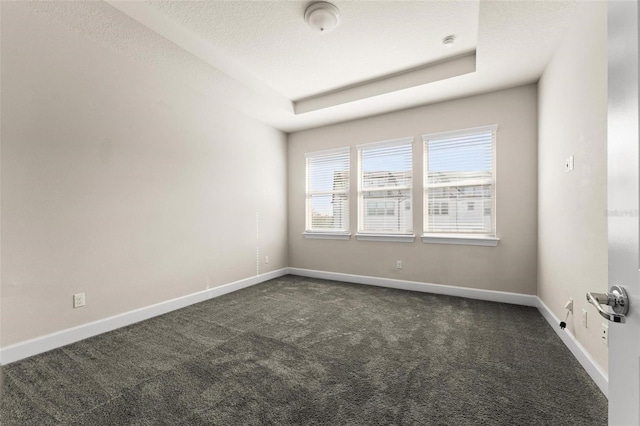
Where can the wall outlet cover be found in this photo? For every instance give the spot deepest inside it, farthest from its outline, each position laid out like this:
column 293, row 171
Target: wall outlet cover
column 79, row 300
column 568, row 164
column 605, row 334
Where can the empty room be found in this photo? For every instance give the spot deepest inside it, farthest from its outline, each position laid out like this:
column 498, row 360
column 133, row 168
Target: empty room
column 319, row 213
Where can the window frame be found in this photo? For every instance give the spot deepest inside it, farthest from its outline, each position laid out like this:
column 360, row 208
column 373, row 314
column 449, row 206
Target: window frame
column 451, row 237
column 330, row 233
column 384, row 235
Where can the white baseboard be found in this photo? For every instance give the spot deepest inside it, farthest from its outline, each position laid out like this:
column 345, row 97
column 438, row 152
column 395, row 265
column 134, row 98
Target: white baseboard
column 469, row 293
column 594, row 370
column 61, row 338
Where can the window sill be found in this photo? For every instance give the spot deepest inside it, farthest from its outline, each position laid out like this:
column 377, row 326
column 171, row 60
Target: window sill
column 326, row 235
column 461, row 240
column 390, row 238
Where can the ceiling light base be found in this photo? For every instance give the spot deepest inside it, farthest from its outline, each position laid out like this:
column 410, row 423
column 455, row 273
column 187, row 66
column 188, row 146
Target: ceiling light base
column 322, row 17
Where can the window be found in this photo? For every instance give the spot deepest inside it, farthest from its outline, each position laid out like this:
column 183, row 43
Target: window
column 384, row 188
column 328, row 191
column 380, row 208
column 459, row 172
column 436, row 208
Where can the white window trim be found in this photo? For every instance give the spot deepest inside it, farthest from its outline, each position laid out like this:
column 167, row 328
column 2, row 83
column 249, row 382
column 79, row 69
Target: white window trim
column 465, row 240
column 490, row 240
column 389, row 238
column 326, row 235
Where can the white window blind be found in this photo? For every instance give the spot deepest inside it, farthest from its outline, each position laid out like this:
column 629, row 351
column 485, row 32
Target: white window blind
column 328, row 191
column 459, row 189
column 384, row 187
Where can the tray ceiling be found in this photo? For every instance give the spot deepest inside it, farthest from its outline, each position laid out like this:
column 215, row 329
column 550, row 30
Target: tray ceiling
column 261, row 57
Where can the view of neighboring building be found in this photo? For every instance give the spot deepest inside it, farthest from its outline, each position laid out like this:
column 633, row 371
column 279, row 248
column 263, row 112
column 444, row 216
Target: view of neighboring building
column 459, row 202
column 386, row 202
column 463, row 208
column 466, row 207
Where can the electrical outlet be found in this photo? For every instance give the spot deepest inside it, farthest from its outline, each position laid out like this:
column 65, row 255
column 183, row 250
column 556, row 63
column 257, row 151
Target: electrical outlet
column 398, row 264
column 266, row 259
column 569, row 305
column 78, row 300
column 605, row 335
column 568, row 164
column 584, row 318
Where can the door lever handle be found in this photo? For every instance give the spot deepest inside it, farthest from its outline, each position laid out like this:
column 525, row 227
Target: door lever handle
column 616, row 298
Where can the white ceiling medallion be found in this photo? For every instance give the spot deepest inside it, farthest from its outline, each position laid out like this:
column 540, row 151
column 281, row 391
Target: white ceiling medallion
column 322, row 17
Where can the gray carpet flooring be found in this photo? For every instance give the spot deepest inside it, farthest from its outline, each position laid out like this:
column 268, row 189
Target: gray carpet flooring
column 299, row 351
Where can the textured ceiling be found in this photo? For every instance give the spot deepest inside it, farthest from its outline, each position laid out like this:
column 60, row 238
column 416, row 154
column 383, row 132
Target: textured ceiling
column 374, row 38
column 260, row 57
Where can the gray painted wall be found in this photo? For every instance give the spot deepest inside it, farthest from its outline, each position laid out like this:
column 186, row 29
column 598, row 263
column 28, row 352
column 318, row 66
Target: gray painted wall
column 572, row 206
column 122, row 184
column 511, row 266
